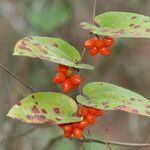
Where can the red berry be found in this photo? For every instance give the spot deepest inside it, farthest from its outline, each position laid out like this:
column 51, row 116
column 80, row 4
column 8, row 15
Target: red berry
column 75, row 79
column 66, row 86
column 67, row 134
column 90, row 118
column 59, row 78
column 99, row 43
column 99, row 113
column 82, row 124
column 62, row 68
column 92, row 110
column 68, row 128
column 75, row 125
column 82, row 111
column 104, row 51
column 89, row 43
column 93, row 51
column 77, row 133
column 61, row 125
column 108, row 41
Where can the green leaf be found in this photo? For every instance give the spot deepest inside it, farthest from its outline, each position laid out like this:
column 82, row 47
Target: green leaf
column 51, row 49
column 45, row 107
column 120, row 24
column 107, row 96
column 50, row 14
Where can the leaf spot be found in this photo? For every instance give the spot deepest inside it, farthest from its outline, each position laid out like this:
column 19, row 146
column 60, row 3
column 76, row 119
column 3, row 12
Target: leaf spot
column 18, row 103
column 30, row 117
column 53, row 44
column 132, row 99
column 130, row 25
column 135, row 111
column 136, row 26
column 148, row 112
column 44, row 111
column 133, row 17
column 56, row 110
column 58, row 119
column 148, row 106
column 105, row 103
column 33, row 96
column 35, row 110
column 147, row 30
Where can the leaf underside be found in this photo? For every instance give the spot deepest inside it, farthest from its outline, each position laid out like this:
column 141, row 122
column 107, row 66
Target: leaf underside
column 120, row 24
column 51, row 49
column 107, row 96
column 45, row 107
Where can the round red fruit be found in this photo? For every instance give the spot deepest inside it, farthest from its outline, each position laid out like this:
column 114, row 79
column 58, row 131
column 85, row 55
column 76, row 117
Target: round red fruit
column 68, row 128
column 99, row 113
column 89, row 43
column 93, row 51
column 66, row 86
column 108, row 41
column 67, row 134
column 82, row 111
column 75, row 79
column 99, row 43
column 59, row 78
column 104, row 51
column 61, row 125
column 92, row 110
column 90, row 118
column 82, row 124
column 77, row 133
column 62, row 68
column 75, row 125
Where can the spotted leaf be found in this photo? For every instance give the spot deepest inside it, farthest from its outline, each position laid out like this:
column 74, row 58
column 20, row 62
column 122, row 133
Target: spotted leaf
column 120, row 24
column 45, row 107
column 51, row 49
column 107, row 96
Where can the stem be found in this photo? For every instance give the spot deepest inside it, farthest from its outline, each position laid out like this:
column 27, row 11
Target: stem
column 82, row 55
column 17, row 78
column 116, row 143
column 94, row 10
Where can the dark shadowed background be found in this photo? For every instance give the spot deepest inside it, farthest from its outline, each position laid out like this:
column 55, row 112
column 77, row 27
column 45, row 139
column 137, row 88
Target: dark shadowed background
column 127, row 66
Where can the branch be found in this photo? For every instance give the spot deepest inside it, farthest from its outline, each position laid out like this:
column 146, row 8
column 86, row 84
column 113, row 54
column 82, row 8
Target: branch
column 17, row 78
column 82, row 55
column 116, row 143
column 94, row 10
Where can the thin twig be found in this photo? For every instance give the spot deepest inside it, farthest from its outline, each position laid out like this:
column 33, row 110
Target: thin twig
column 82, row 55
column 107, row 139
column 17, row 78
column 116, row 143
column 94, row 10
column 52, row 142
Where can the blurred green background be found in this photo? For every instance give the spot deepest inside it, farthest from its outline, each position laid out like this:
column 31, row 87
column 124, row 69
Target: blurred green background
column 128, row 66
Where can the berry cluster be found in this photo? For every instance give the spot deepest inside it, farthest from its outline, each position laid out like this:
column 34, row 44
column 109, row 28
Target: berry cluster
column 99, row 45
column 66, row 78
column 76, row 129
